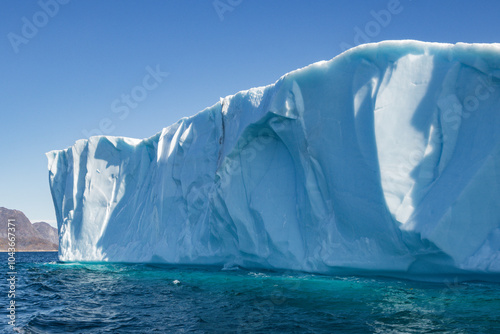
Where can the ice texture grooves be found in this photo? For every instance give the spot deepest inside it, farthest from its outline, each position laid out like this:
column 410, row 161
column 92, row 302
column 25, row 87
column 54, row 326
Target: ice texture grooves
column 385, row 158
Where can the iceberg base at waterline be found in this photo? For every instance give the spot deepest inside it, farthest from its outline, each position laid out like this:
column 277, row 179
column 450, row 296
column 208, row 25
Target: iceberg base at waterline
column 385, row 158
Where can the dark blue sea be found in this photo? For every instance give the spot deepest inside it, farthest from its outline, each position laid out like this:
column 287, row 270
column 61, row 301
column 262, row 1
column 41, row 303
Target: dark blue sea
column 54, row 297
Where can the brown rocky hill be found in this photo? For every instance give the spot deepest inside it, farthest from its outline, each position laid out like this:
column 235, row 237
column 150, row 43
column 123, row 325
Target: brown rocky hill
column 47, row 232
column 29, row 237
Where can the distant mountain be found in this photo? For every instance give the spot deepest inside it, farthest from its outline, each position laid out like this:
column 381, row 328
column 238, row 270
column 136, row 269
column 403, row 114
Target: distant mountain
column 29, row 237
column 47, row 232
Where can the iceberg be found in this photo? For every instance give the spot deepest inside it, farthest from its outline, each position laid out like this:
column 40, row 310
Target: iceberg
column 385, row 158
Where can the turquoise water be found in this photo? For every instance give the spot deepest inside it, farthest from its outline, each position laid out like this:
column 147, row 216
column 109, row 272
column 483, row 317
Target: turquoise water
column 53, row 297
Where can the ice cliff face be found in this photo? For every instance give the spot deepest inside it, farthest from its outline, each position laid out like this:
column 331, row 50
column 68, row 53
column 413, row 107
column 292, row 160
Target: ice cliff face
column 386, row 157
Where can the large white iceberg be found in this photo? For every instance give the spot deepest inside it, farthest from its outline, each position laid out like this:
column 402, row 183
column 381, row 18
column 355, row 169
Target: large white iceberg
column 385, row 158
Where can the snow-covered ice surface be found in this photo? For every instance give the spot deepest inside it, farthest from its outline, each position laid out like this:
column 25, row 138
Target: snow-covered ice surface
column 385, row 158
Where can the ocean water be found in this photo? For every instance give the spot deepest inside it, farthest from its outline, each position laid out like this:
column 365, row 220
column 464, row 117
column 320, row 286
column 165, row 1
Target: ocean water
column 54, row 297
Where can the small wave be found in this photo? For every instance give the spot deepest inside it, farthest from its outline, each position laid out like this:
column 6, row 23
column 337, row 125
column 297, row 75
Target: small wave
column 230, row 267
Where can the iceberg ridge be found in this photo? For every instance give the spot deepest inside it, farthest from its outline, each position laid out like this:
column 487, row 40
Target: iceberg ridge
column 385, row 158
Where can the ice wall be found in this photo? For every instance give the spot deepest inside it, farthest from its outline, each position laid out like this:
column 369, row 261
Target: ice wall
column 386, row 158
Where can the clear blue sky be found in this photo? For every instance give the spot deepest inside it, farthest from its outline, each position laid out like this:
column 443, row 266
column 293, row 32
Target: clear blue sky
column 68, row 69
